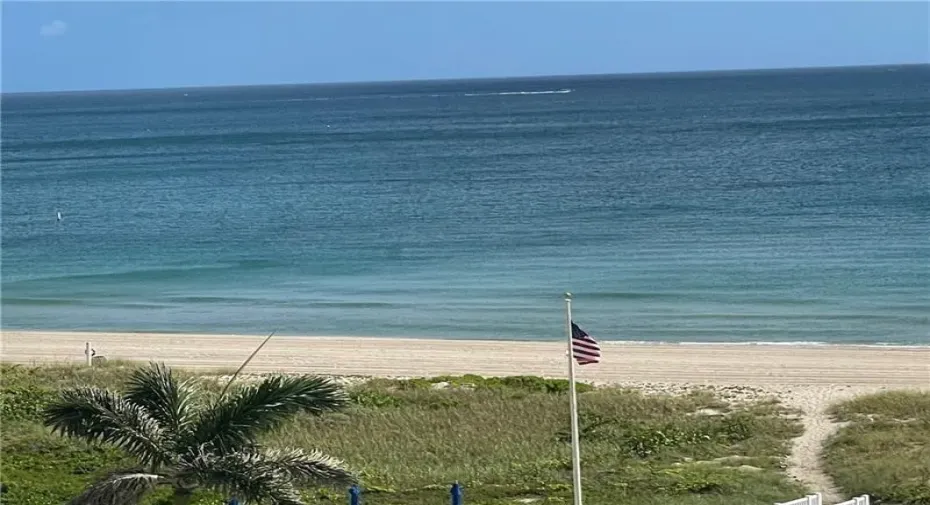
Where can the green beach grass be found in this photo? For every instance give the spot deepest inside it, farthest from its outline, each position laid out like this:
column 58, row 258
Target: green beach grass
column 505, row 440
column 884, row 450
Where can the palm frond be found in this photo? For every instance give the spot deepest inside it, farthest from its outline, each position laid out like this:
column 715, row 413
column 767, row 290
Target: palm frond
column 237, row 420
column 311, row 467
column 98, row 415
column 158, row 391
column 118, row 489
column 247, row 475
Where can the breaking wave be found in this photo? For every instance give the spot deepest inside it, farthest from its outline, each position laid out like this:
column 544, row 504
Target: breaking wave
column 508, row 93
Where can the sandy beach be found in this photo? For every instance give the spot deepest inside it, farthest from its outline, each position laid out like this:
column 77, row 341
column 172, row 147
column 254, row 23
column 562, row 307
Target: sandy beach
column 745, row 365
column 808, row 378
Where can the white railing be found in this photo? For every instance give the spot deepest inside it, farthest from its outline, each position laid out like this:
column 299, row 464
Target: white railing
column 817, row 499
column 811, row 499
column 859, row 500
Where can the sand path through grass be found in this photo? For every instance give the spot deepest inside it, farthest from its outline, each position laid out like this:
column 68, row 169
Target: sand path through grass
column 804, row 463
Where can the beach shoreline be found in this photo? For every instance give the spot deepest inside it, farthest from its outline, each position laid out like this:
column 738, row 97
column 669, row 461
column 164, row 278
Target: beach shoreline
column 419, row 338
column 707, row 363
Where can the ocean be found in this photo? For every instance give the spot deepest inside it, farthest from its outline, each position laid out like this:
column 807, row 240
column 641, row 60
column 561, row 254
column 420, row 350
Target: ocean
column 765, row 206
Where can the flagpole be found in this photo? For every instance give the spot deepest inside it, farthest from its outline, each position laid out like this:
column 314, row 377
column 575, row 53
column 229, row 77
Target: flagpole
column 576, row 449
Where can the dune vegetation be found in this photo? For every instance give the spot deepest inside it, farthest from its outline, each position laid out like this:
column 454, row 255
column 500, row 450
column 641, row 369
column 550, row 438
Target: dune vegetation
column 883, row 449
column 505, row 440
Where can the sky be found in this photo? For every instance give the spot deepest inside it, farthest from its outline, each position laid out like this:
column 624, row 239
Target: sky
column 55, row 46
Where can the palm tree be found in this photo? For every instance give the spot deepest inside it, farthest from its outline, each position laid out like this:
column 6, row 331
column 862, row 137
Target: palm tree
column 185, row 440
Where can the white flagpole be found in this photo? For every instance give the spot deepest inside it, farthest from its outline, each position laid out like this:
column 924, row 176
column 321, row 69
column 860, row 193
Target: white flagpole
column 576, row 449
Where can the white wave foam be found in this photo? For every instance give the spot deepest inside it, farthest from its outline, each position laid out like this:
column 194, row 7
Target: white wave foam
column 508, row 93
column 411, row 96
column 789, row 344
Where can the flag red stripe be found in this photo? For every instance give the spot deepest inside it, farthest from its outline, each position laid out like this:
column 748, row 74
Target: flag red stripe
column 589, row 352
column 586, row 355
column 586, row 344
column 584, row 348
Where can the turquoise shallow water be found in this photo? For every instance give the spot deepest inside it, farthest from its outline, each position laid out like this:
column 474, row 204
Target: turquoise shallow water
column 747, row 207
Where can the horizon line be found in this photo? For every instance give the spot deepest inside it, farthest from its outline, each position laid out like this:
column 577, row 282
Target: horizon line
column 465, row 79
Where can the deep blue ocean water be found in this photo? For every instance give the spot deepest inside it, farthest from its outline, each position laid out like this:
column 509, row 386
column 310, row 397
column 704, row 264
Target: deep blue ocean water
column 779, row 206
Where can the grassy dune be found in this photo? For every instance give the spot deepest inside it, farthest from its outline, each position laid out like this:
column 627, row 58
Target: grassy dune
column 505, row 440
column 885, row 449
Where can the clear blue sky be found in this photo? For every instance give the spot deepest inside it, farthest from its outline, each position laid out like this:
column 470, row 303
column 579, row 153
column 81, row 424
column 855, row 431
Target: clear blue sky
column 113, row 45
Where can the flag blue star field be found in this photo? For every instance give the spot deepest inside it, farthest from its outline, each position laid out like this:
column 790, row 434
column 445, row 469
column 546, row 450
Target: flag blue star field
column 584, row 347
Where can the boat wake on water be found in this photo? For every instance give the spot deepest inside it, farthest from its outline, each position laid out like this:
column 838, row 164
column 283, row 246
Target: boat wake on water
column 510, row 93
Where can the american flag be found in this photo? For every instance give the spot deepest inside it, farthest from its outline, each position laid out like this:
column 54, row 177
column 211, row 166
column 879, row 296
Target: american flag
column 584, row 348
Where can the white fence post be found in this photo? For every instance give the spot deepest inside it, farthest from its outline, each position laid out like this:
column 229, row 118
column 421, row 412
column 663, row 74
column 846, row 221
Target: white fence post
column 811, row 499
column 859, row 500
column 817, row 499
column 87, row 354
